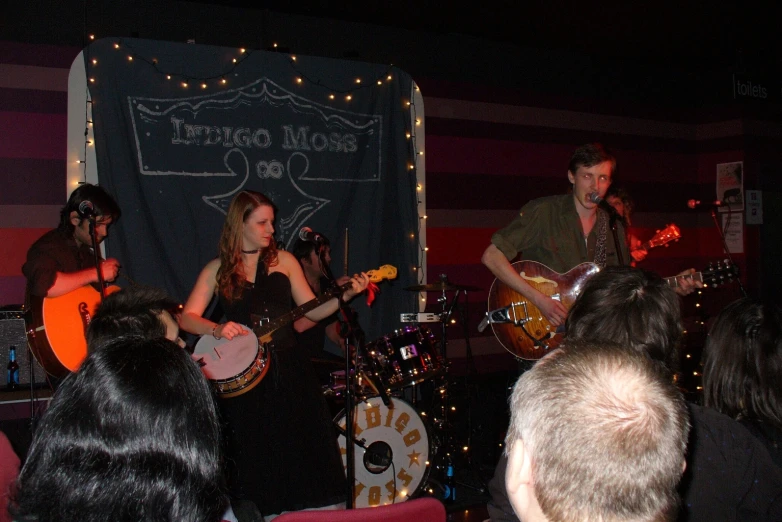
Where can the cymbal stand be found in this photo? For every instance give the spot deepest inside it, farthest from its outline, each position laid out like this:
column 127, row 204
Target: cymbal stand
column 445, row 317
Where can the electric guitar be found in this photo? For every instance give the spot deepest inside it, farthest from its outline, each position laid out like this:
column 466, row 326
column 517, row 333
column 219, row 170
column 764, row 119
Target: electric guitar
column 663, row 237
column 523, row 330
column 236, row 366
column 57, row 328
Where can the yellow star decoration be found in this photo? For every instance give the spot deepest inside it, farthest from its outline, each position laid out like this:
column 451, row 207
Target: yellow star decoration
column 413, row 458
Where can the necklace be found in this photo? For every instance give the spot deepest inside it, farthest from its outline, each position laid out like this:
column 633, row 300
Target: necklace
column 251, row 251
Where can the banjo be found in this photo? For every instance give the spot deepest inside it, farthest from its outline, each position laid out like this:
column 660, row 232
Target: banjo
column 237, row 366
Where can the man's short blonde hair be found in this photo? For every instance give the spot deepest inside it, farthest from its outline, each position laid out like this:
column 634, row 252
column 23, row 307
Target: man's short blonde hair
column 606, row 431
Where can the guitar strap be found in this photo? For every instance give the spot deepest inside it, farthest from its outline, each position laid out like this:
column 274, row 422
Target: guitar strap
column 602, row 233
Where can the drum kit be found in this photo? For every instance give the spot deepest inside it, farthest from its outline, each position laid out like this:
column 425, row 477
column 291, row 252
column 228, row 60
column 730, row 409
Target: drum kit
column 401, row 435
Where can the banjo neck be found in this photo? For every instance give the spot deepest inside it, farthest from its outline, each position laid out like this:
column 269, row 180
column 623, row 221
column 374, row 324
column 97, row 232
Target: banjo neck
column 265, row 330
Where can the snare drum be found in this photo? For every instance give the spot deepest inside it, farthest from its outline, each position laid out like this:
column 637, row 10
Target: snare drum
column 233, row 367
column 395, row 464
column 407, row 356
column 336, row 388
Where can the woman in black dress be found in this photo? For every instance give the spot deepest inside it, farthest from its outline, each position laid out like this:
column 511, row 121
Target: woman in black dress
column 281, row 442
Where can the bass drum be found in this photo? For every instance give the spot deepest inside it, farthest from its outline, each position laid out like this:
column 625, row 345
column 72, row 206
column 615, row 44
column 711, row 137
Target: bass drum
column 393, row 465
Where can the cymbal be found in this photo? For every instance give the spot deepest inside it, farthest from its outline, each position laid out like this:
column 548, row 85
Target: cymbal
column 441, row 286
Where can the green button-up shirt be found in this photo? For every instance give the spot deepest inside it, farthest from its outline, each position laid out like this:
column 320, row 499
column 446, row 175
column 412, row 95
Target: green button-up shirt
column 548, row 230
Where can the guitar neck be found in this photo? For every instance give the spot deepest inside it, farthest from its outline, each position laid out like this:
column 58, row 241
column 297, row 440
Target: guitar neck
column 673, row 281
column 299, row 312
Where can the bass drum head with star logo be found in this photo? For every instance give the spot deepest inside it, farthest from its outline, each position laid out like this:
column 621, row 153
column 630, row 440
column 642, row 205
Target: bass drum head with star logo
column 394, row 462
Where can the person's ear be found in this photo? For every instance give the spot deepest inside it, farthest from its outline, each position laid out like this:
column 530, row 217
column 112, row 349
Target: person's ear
column 519, row 472
column 75, row 218
column 571, row 177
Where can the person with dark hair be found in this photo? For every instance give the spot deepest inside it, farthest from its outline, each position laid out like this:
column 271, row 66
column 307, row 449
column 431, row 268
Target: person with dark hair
column 742, row 369
column 144, row 311
column 730, row 475
column 132, row 436
column 312, row 335
column 62, row 260
column 597, row 432
column 618, row 198
column 281, row 438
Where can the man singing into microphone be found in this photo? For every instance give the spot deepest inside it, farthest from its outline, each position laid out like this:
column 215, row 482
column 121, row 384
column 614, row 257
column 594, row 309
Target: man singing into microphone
column 564, row 231
column 62, row 260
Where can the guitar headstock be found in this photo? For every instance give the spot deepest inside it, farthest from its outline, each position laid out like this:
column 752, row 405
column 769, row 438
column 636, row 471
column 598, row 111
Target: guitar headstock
column 384, row 272
column 719, row 272
column 663, row 237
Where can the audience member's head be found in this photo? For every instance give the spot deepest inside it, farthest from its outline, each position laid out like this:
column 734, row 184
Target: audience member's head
column 597, row 433
column 742, row 368
column 632, row 307
column 141, row 311
column 132, row 436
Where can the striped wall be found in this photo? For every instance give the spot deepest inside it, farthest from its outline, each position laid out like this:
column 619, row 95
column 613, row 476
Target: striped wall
column 487, row 152
column 33, row 106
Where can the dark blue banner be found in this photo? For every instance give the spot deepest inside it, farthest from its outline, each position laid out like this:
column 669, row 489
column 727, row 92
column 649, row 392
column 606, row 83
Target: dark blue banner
column 180, row 129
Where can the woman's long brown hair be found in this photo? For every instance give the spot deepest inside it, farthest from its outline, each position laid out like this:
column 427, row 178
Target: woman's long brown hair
column 231, row 276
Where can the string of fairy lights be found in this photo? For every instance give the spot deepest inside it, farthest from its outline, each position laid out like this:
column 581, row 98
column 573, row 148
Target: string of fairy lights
column 221, row 80
column 413, row 167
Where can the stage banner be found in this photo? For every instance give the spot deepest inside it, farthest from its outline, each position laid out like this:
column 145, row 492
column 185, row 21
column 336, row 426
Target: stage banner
column 181, row 128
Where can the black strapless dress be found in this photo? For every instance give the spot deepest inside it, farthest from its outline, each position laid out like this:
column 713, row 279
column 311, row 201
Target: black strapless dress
column 280, row 439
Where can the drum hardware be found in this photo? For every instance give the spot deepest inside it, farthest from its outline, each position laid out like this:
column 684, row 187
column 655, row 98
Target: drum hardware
column 419, row 318
column 440, row 420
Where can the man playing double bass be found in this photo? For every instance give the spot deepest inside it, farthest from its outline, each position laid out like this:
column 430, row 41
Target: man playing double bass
column 560, row 232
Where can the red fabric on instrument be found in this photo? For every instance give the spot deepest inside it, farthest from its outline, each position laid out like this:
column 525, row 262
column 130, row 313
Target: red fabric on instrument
column 372, row 289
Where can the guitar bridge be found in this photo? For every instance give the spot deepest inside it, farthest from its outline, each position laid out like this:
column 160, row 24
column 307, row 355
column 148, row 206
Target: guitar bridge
column 511, row 311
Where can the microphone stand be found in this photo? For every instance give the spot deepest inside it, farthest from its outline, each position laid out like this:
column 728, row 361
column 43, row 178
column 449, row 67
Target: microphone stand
column 613, row 218
column 355, row 333
column 96, row 255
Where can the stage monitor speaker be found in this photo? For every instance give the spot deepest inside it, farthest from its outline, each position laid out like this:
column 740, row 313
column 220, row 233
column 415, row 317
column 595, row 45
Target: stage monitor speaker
column 13, row 333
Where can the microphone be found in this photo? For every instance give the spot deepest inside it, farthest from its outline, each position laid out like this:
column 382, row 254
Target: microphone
column 695, row 203
column 595, row 198
column 86, row 209
column 306, row 234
